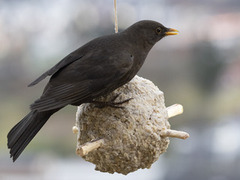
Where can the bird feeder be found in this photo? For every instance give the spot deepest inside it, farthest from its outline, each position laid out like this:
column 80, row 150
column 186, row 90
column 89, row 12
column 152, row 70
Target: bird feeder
column 126, row 139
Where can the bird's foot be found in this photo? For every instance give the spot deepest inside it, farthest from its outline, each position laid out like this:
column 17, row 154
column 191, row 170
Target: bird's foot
column 111, row 103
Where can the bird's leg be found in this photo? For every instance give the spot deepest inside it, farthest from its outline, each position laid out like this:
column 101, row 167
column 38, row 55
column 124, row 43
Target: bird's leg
column 111, row 103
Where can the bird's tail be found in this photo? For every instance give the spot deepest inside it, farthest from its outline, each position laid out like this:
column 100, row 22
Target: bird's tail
column 24, row 131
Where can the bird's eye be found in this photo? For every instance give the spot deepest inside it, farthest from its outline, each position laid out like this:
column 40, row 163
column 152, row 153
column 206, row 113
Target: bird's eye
column 158, row 30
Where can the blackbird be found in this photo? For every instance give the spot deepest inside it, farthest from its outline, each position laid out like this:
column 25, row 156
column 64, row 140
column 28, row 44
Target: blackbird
column 95, row 69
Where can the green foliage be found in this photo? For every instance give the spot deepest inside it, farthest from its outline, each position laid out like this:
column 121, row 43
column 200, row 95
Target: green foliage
column 207, row 64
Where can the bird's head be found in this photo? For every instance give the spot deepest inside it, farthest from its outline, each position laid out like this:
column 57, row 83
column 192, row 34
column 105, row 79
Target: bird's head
column 150, row 31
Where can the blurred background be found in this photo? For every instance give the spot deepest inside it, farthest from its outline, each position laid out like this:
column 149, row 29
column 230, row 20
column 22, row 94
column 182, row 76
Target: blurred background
column 199, row 68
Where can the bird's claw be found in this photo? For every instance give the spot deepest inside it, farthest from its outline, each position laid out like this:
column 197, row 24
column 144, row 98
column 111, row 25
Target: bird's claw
column 111, row 103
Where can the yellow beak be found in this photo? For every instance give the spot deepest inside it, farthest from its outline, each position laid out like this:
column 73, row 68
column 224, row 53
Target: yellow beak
column 171, row 31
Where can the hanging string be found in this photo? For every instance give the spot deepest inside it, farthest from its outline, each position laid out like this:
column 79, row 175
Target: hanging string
column 115, row 16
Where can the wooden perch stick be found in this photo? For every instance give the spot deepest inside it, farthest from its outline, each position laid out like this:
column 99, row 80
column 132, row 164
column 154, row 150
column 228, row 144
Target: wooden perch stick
column 174, row 134
column 174, row 110
column 89, row 146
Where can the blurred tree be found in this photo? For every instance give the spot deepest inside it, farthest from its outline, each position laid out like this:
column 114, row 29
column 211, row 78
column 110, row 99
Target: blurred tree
column 207, row 64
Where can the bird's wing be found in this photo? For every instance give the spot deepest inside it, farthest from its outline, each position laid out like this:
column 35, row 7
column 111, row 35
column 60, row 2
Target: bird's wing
column 81, row 81
column 64, row 62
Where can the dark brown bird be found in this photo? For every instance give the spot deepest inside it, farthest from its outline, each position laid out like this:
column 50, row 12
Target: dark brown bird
column 93, row 70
